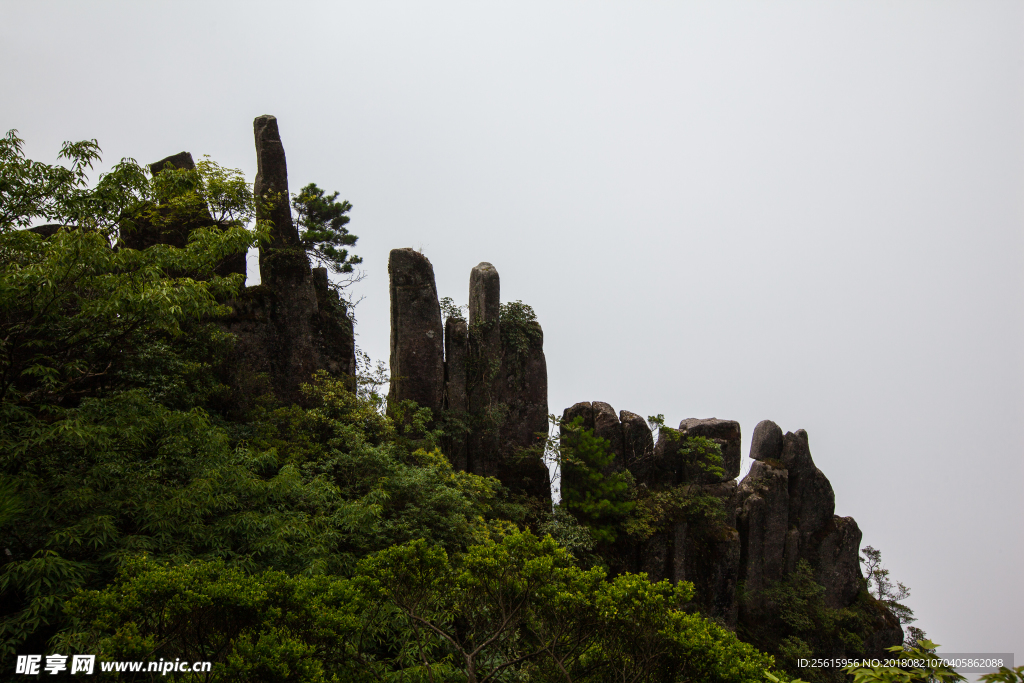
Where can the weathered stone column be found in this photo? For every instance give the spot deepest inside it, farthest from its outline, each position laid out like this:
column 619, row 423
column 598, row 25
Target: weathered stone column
column 525, row 398
column 484, row 382
column 763, row 521
column 483, row 379
column 456, row 348
column 456, row 340
column 284, row 267
column 417, row 343
column 271, row 184
column 638, row 446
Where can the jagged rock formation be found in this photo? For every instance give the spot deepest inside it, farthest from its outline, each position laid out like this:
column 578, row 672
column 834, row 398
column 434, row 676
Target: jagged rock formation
column 293, row 323
column 483, row 370
column 485, row 381
column 488, row 377
column 783, row 511
column 524, row 395
column 489, row 384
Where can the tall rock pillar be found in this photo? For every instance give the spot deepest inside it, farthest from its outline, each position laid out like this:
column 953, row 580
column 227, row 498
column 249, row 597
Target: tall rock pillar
column 284, row 267
column 284, row 256
column 524, row 391
column 483, row 377
column 456, row 342
column 417, row 342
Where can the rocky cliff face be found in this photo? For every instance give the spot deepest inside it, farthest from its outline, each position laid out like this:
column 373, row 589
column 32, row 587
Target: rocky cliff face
column 292, row 324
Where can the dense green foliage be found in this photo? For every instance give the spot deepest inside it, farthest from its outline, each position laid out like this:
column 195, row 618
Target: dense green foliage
column 141, row 519
column 512, row 608
column 793, row 622
column 207, row 190
column 592, row 490
column 1005, row 675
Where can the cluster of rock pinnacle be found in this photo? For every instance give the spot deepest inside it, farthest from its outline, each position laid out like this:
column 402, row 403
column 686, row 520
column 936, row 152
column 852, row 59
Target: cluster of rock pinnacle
column 781, row 513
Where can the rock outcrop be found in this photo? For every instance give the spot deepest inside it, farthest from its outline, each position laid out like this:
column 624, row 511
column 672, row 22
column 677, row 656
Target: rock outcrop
column 524, row 396
column 782, row 512
column 608, row 427
column 456, row 401
column 483, row 371
column 487, row 384
column 181, row 160
column 292, row 324
column 726, row 433
column 766, row 442
column 637, row 446
column 289, row 326
column 417, row 341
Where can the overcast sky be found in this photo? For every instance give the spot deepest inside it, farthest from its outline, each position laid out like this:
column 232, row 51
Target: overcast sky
column 810, row 212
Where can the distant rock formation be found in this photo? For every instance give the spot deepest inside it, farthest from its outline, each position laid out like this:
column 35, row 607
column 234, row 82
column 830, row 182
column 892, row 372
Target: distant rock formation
column 485, row 381
column 490, row 385
column 783, row 511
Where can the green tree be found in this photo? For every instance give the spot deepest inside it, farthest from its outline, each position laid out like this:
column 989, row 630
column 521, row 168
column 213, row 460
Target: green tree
column 881, row 588
column 96, row 345
column 31, row 190
column 322, row 220
column 181, row 195
column 449, row 309
column 593, row 490
column 269, row 626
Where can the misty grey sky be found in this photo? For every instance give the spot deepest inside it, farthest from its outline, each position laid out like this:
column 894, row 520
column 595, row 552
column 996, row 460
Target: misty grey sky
column 811, row 212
